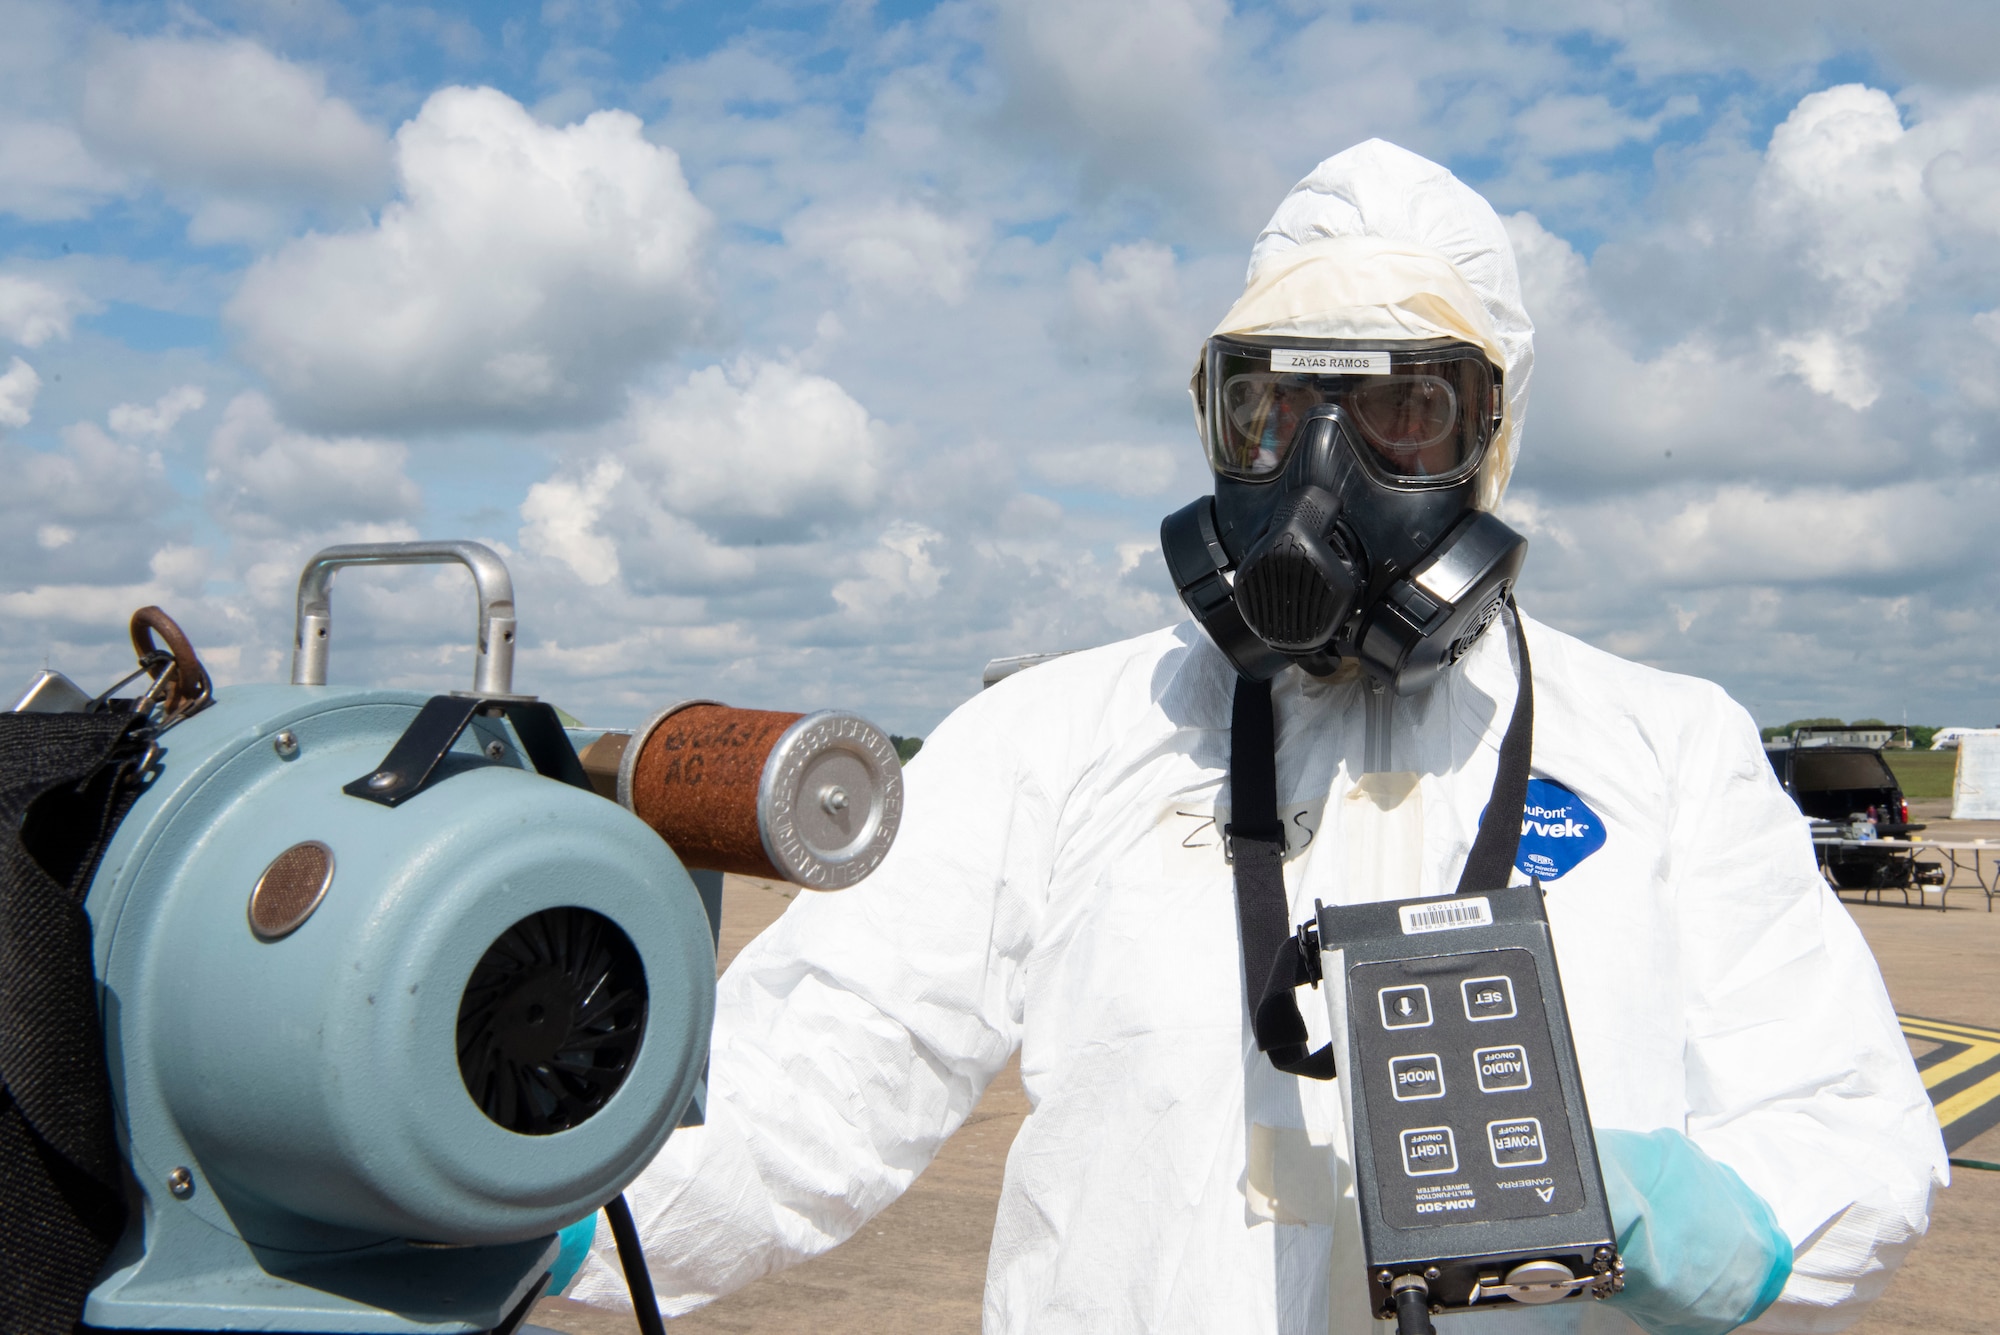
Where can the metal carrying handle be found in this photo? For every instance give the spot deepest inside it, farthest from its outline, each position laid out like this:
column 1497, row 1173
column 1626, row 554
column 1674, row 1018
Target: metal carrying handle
column 493, row 654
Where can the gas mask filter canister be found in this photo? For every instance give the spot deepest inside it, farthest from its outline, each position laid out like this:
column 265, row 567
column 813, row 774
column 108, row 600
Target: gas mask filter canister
column 1342, row 524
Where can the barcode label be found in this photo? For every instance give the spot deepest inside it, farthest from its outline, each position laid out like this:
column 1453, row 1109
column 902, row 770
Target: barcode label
column 1446, row 915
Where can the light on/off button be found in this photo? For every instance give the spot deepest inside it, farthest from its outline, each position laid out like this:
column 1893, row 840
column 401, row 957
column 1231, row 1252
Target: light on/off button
column 1428, row 1150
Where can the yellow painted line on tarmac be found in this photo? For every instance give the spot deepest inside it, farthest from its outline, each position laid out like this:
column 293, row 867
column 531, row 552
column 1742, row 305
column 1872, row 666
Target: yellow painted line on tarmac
column 1958, row 1065
column 1981, row 1045
column 1962, row 1112
column 1971, row 1100
column 1944, row 1029
column 1955, row 1033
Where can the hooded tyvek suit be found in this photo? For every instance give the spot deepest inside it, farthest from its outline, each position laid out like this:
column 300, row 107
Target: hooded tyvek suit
column 1059, row 889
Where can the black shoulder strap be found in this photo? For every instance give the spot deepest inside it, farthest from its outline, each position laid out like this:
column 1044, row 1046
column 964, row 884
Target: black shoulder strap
column 1276, row 961
column 1273, row 964
column 65, row 782
column 1494, row 848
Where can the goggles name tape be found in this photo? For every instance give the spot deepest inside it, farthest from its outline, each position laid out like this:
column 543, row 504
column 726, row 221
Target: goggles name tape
column 1313, row 361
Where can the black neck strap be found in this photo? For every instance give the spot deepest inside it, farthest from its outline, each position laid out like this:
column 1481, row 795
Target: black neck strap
column 1494, row 848
column 1275, row 961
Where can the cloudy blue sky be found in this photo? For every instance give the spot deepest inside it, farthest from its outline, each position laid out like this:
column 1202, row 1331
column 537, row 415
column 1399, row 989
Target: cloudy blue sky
column 807, row 354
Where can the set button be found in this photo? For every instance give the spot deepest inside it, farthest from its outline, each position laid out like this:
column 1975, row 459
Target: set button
column 1488, row 998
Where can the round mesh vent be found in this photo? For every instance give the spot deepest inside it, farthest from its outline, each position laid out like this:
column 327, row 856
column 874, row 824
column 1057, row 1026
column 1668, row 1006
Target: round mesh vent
column 1487, row 616
column 551, row 1020
column 290, row 889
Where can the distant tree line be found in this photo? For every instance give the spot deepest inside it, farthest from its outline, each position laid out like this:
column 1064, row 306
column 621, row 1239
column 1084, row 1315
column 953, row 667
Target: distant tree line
column 1921, row 734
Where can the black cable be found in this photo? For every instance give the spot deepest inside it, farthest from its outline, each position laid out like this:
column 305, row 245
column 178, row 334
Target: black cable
column 517, row 1318
column 633, row 1261
column 1413, row 1307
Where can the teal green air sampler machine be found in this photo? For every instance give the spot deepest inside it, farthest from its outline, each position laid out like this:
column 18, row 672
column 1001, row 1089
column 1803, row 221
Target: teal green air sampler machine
column 390, row 992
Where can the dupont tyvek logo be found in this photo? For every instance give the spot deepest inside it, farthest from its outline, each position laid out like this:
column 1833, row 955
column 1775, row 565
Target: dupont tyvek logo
column 1557, row 831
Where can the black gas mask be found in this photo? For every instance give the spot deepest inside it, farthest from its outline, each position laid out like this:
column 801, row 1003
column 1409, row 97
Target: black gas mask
column 1342, row 524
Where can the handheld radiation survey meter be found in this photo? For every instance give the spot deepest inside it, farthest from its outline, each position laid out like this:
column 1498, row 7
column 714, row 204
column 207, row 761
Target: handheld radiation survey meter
column 1474, row 1166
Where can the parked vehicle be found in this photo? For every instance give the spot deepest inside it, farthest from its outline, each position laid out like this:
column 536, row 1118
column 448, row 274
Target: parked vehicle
column 1849, row 792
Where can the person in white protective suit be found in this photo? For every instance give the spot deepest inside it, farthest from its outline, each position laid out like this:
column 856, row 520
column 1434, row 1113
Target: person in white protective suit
column 1060, row 890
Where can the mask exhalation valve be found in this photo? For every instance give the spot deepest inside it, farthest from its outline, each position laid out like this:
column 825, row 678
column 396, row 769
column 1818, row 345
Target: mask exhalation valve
column 1299, row 585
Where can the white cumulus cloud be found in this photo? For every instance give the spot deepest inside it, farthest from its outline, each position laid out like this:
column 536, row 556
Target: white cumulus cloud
column 900, row 249
column 1564, row 123
column 1122, row 469
column 87, row 511
column 92, row 477
column 1130, row 306
column 1609, row 412
column 960, row 266
column 1832, row 366
column 138, row 419
column 176, row 572
column 900, row 567
column 266, row 479
column 559, row 521
column 32, row 312
column 48, row 175
column 1133, row 94
column 1840, row 175
column 1755, row 534
column 230, row 124
column 689, row 486
column 524, row 273
column 19, row 384
column 758, row 440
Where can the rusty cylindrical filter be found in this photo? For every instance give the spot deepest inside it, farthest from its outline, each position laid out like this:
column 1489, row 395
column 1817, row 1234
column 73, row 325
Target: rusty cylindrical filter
column 809, row 798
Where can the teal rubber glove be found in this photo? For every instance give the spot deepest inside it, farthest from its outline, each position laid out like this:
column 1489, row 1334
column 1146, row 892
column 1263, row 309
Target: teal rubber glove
column 575, row 1246
column 1703, row 1253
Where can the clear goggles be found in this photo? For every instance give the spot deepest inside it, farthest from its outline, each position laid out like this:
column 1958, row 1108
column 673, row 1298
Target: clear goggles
column 1425, row 412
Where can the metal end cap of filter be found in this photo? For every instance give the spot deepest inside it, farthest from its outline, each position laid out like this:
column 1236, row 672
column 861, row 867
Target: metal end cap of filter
column 830, row 800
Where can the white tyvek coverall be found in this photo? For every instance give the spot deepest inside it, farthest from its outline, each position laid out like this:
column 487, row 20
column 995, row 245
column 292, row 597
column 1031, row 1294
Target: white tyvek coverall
column 1057, row 889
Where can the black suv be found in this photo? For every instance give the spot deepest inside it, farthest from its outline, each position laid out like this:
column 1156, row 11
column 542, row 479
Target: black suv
column 1834, row 785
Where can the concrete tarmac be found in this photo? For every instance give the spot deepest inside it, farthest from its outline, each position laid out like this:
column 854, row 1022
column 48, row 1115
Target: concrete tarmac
column 919, row 1267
